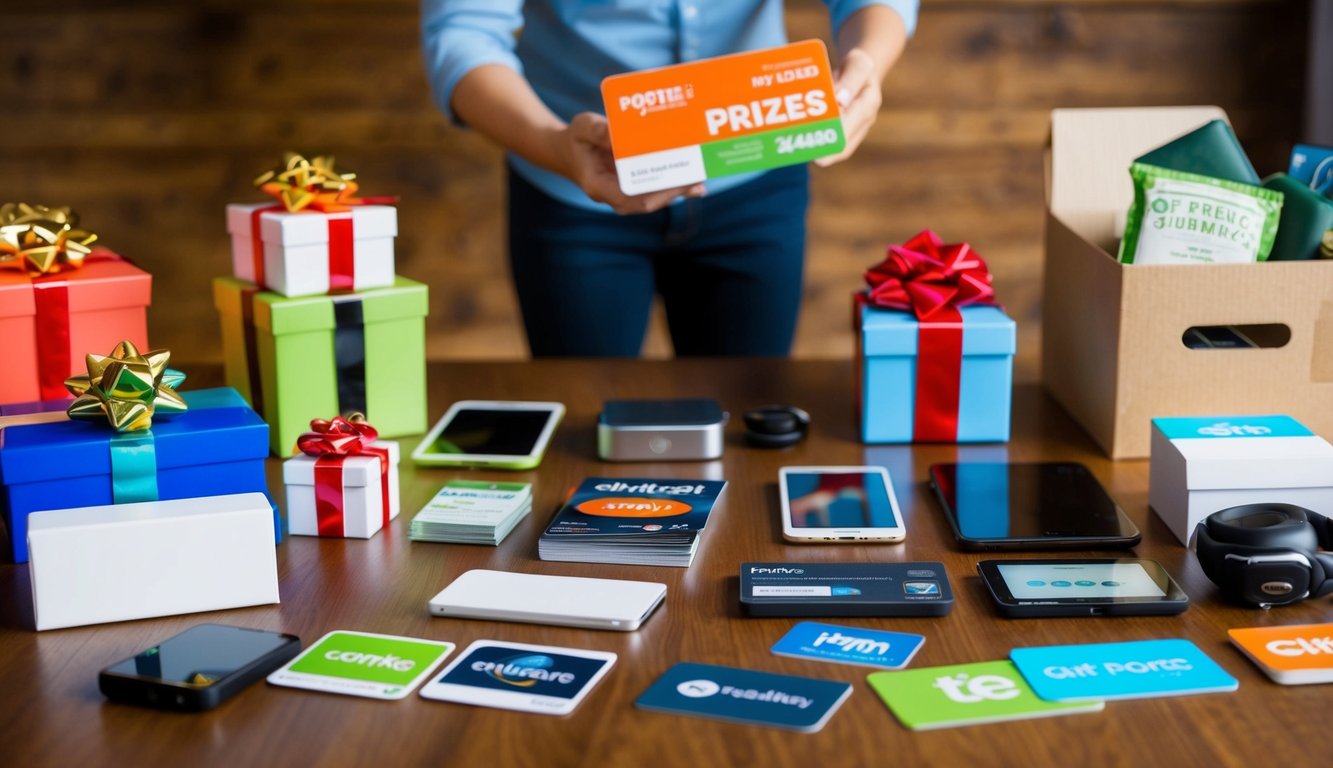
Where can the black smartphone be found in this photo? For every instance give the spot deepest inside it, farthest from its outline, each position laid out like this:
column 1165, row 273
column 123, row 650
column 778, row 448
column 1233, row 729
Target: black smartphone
column 1123, row 586
column 198, row 669
column 1052, row 505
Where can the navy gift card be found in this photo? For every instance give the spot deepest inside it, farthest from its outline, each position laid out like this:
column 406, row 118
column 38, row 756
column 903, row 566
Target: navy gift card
column 745, row 696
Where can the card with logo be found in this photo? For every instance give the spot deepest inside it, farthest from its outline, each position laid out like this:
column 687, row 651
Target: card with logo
column 1299, row 654
column 363, row 664
column 752, row 111
column 527, row 678
column 965, row 694
column 745, row 696
column 1134, row 670
column 849, row 645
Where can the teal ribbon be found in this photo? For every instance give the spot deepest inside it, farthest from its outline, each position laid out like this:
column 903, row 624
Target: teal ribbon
column 133, row 467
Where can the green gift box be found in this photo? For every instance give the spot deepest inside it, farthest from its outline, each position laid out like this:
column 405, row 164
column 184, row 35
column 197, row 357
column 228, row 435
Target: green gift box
column 312, row 357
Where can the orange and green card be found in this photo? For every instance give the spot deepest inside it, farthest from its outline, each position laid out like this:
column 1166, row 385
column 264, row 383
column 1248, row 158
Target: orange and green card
column 683, row 124
column 1298, row 654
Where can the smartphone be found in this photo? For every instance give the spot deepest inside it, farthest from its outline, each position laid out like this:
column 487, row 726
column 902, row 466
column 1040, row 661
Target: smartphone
column 839, row 504
column 490, row 433
column 198, row 669
column 1123, row 586
column 1053, row 505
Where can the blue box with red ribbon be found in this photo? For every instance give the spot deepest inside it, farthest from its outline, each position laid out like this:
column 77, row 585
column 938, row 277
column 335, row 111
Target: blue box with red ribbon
column 935, row 353
column 216, row 447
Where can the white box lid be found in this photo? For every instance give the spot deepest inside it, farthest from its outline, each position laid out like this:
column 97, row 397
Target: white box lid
column 307, row 227
column 358, row 471
column 147, row 511
column 1249, row 452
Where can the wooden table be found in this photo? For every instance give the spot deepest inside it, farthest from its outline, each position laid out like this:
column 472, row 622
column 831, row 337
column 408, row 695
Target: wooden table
column 52, row 713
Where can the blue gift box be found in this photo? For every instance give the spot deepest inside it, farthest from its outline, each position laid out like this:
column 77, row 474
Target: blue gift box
column 216, row 447
column 888, row 354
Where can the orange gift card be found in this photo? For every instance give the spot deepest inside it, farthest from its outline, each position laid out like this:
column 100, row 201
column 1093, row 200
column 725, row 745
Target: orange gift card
column 679, row 125
column 1291, row 655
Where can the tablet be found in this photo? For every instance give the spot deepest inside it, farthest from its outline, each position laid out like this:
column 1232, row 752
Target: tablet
column 1124, row 586
column 1052, row 505
column 490, row 433
column 571, row 601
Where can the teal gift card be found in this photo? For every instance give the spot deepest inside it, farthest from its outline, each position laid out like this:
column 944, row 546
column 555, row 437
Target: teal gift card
column 1134, row 670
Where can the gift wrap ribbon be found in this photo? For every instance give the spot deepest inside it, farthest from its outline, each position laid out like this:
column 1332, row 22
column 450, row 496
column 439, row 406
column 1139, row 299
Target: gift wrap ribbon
column 314, row 186
column 932, row 280
column 331, row 442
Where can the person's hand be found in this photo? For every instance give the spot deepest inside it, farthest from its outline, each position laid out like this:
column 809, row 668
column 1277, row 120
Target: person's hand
column 857, row 90
column 585, row 145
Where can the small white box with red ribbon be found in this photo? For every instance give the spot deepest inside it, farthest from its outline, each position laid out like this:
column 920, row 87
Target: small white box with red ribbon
column 344, row 484
column 318, row 238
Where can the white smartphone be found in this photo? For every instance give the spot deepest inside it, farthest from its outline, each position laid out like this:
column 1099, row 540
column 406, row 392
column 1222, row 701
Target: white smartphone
column 571, row 601
column 490, row 433
column 839, row 504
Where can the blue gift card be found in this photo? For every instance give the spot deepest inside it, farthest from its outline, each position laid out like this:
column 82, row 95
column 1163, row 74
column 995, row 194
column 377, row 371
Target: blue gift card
column 849, row 645
column 745, row 696
column 1134, row 670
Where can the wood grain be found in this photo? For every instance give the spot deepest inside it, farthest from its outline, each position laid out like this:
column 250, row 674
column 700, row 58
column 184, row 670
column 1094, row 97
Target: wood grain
column 52, row 714
column 150, row 116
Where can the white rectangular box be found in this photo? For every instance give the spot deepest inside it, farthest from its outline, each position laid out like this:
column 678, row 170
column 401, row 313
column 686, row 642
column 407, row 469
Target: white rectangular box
column 296, row 247
column 119, row 562
column 363, row 500
column 1201, row 465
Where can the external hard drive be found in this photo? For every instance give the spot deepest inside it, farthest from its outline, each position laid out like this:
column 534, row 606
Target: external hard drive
column 660, row 430
column 845, row 589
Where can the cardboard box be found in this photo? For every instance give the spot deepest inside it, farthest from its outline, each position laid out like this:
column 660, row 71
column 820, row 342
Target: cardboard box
column 888, row 355
column 302, row 250
column 64, row 316
column 121, row 562
column 217, row 447
column 297, row 359
column 1112, row 347
column 1204, row 465
column 362, row 513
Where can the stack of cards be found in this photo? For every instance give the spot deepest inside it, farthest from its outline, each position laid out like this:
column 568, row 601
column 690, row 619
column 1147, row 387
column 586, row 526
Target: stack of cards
column 472, row 512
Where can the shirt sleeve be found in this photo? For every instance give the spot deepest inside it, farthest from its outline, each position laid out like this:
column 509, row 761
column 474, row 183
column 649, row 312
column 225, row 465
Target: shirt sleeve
column 839, row 10
column 457, row 36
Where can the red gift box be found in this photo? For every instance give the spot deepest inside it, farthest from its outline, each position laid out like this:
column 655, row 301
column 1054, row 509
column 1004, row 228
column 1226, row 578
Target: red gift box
column 49, row 322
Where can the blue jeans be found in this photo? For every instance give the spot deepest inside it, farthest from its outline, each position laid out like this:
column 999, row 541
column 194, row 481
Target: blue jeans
column 727, row 266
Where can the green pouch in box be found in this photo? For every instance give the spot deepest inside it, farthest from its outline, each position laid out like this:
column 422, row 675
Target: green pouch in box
column 1185, row 218
column 314, row 357
column 1307, row 217
column 1212, row 149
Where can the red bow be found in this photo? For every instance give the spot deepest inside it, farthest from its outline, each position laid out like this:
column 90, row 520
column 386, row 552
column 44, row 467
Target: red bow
column 339, row 436
column 923, row 275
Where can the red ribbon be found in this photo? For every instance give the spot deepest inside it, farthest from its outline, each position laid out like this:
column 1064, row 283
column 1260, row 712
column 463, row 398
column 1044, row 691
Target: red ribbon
column 933, row 280
column 331, row 442
column 50, row 295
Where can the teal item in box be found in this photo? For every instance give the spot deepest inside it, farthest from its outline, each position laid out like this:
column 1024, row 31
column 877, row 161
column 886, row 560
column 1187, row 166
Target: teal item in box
column 888, row 352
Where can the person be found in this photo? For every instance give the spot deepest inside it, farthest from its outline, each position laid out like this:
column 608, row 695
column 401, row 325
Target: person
column 727, row 256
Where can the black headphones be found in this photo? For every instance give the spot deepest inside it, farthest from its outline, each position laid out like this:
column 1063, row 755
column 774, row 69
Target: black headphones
column 776, row 426
column 1266, row 554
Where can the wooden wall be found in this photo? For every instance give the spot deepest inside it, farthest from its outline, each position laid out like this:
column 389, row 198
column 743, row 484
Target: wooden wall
column 148, row 117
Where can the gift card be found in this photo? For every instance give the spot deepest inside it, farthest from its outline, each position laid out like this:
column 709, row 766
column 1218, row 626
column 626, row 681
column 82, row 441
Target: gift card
column 965, row 694
column 1292, row 655
column 849, row 645
column 527, row 678
column 1134, row 670
column 679, row 125
column 745, row 696
column 362, row 664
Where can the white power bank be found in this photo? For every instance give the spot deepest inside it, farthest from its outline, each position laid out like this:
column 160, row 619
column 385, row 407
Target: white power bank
column 564, row 600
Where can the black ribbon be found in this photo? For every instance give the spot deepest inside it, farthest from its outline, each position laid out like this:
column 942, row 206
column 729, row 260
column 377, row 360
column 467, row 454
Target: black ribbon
column 349, row 355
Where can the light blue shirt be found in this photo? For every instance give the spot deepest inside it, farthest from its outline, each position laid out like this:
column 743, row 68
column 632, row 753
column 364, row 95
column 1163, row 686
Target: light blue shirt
column 569, row 46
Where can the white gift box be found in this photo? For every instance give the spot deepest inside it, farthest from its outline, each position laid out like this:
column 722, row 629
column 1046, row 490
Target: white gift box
column 362, row 498
column 92, row 565
column 296, row 247
column 1201, row 465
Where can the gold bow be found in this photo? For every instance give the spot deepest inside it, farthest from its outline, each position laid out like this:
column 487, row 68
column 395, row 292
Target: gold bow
column 41, row 240
column 126, row 388
column 300, row 183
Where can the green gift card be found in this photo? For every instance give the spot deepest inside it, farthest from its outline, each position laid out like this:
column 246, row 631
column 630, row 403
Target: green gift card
column 362, row 664
column 965, row 694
